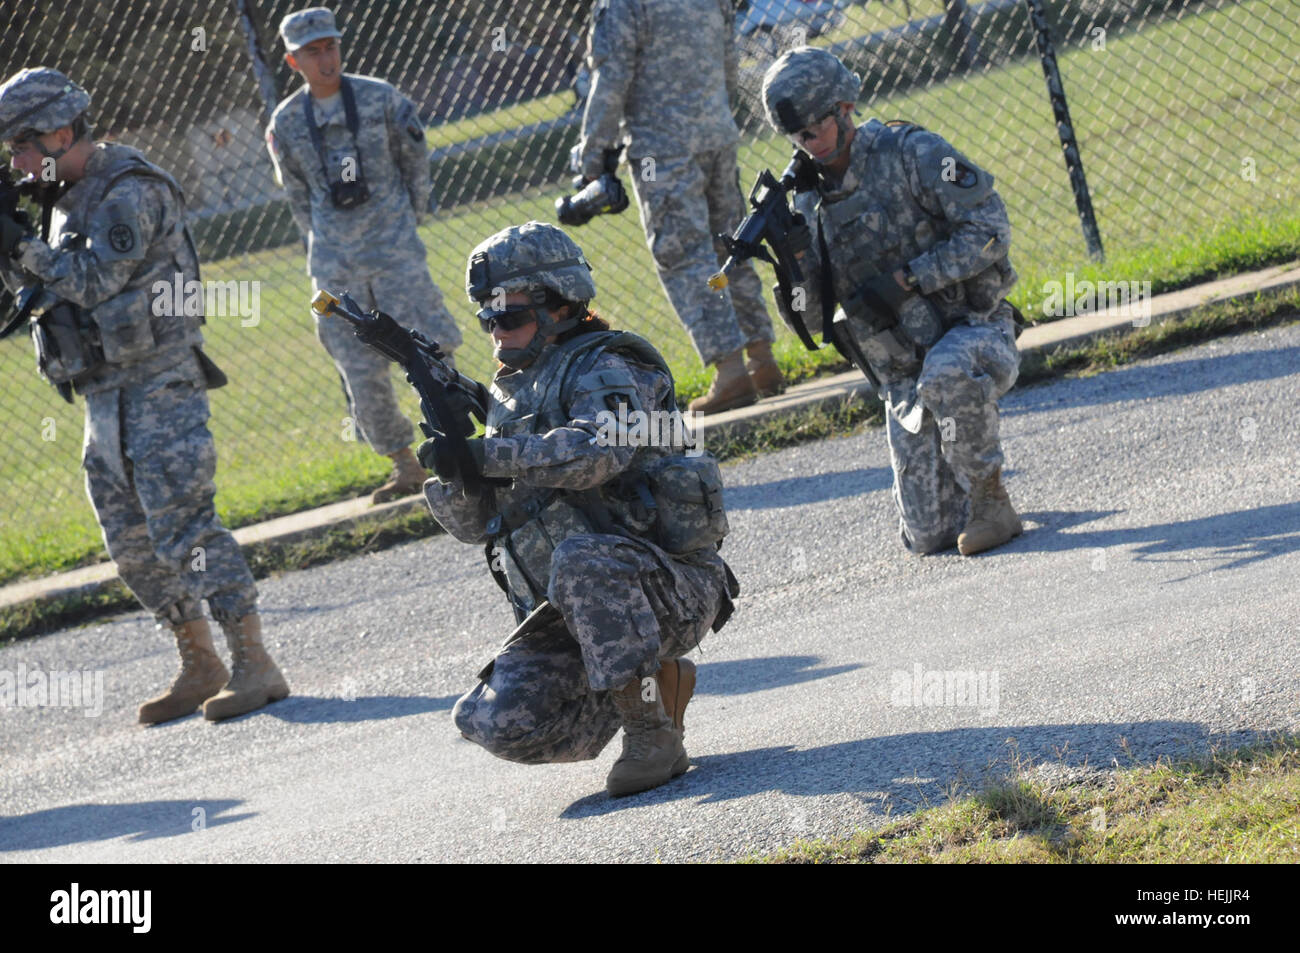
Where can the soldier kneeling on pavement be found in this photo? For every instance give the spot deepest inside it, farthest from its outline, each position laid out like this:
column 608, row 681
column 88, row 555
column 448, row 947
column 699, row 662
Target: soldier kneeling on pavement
column 910, row 238
column 607, row 548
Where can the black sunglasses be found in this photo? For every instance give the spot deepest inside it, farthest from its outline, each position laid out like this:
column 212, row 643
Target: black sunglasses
column 511, row 317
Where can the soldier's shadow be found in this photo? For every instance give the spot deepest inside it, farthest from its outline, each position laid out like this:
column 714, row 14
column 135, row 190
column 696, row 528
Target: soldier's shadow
column 311, row 710
column 914, row 770
column 809, row 488
column 80, row 823
column 1241, row 537
column 741, row 676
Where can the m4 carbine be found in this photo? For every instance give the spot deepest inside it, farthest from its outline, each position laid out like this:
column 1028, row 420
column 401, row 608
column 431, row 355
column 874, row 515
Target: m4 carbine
column 440, row 386
column 772, row 225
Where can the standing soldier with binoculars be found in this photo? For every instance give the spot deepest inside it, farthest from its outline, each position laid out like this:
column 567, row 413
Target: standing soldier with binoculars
column 350, row 152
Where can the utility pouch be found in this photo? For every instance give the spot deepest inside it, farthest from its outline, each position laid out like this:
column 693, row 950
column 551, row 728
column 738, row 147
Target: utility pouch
column 687, row 495
column 125, row 330
column 65, row 352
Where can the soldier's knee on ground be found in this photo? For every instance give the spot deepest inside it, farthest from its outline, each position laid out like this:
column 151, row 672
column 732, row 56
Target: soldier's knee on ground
column 499, row 723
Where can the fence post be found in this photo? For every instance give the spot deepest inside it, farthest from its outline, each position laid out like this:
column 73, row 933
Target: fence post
column 246, row 10
column 1065, row 129
column 956, row 23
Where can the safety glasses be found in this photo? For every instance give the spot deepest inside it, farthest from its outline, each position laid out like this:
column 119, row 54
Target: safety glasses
column 810, row 132
column 511, row 317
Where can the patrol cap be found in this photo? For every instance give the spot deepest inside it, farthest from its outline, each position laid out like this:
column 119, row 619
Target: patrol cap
column 301, row 27
column 803, row 86
column 523, row 257
column 39, row 100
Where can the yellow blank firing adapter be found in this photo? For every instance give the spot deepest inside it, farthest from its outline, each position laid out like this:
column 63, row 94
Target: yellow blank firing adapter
column 324, row 302
column 719, row 281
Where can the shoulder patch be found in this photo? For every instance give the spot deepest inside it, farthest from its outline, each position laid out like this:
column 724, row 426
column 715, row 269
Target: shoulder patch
column 117, row 236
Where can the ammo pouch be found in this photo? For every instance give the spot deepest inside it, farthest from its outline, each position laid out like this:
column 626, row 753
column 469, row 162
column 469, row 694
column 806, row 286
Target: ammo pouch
column 686, row 499
column 125, row 327
column 65, row 349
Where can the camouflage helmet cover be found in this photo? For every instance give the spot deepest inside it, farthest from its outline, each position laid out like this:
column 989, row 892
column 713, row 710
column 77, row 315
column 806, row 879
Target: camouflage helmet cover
column 525, row 257
column 803, row 86
column 40, row 99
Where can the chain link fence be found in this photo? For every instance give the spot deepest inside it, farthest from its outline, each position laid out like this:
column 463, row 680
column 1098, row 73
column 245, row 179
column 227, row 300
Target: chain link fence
column 1185, row 114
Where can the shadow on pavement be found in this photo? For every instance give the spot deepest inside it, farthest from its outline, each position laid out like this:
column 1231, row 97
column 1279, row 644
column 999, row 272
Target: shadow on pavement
column 79, row 823
column 1174, row 379
column 812, row 488
column 742, row 676
column 914, row 770
column 1242, row 537
column 310, row 710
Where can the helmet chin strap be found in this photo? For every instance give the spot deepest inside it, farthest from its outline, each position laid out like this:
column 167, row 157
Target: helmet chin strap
column 842, row 126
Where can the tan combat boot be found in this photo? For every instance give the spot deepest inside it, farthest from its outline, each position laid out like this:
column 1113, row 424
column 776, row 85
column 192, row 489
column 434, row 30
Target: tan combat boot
column 676, row 678
column 202, row 675
column 763, row 369
column 731, row 388
column 652, row 747
column 993, row 521
column 408, row 477
column 256, row 680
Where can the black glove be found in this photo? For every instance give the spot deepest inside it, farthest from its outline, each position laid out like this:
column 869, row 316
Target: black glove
column 11, row 233
column 439, row 455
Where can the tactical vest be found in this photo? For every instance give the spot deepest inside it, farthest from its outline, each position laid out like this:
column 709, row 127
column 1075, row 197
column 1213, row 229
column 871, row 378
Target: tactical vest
column 663, row 496
column 123, row 331
column 879, row 226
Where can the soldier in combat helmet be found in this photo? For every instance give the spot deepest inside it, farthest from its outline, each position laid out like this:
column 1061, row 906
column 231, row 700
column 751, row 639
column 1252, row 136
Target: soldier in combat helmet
column 351, row 154
column 613, row 573
column 116, row 232
column 910, row 239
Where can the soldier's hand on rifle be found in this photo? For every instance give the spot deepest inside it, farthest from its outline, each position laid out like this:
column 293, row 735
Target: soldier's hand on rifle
column 438, row 454
column 11, row 233
column 799, row 236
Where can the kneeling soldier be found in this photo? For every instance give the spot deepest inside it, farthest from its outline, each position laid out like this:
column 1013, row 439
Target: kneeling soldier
column 607, row 549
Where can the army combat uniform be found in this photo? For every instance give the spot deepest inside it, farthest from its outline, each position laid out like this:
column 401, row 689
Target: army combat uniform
column 149, row 457
column 606, row 543
column 908, row 197
column 625, row 602
column 117, row 244
column 663, row 73
column 371, row 250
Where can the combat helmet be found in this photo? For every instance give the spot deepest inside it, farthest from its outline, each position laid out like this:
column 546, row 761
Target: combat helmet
column 536, row 258
column 39, row 100
column 803, row 86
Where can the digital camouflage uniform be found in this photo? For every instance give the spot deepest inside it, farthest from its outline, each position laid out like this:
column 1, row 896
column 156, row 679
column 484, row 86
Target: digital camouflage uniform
column 149, row 456
column 663, row 73
column 373, row 250
column 564, row 526
column 908, row 197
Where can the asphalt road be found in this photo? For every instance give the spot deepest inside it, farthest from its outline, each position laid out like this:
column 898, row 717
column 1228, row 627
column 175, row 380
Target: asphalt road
column 1150, row 609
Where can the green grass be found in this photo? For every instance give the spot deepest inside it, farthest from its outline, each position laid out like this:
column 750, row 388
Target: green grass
column 1228, row 806
column 1172, row 205
column 499, row 120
